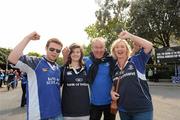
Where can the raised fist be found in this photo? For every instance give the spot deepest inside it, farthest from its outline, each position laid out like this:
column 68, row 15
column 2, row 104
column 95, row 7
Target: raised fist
column 33, row 36
column 125, row 35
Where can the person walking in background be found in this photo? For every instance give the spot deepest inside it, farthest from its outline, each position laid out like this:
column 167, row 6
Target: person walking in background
column 43, row 74
column 75, row 91
column 11, row 79
column 1, row 77
column 135, row 101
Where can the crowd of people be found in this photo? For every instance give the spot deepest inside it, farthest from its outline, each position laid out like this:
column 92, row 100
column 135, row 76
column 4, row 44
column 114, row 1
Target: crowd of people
column 87, row 82
column 9, row 78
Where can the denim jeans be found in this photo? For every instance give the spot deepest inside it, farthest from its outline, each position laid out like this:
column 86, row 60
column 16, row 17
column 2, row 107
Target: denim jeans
column 136, row 116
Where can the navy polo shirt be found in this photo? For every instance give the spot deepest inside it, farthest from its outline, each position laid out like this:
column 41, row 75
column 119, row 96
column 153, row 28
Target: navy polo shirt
column 134, row 90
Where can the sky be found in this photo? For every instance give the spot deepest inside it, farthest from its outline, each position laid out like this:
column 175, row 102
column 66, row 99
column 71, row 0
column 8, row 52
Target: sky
column 62, row 19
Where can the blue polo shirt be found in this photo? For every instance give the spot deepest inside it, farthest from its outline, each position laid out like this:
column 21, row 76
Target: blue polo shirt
column 43, row 87
column 101, row 87
column 134, row 90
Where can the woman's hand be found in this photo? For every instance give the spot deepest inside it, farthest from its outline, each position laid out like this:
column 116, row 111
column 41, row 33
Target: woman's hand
column 114, row 95
column 125, row 35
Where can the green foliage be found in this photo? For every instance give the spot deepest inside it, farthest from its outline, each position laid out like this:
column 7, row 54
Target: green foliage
column 155, row 20
column 59, row 60
column 3, row 55
column 110, row 21
column 34, row 54
column 87, row 50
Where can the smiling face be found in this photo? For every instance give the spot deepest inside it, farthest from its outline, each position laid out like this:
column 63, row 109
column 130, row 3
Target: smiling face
column 76, row 54
column 53, row 51
column 120, row 49
column 98, row 48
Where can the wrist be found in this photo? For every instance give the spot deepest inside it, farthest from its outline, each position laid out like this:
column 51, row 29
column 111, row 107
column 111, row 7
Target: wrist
column 27, row 38
column 131, row 36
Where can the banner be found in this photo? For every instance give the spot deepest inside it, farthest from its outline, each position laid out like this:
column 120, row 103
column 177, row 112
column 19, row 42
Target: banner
column 168, row 55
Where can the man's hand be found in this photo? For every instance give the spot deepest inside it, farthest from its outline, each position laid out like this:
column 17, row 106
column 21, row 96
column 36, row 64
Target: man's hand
column 33, row 36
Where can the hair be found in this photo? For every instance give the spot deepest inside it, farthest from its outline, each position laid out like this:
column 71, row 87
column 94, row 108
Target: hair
column 114, row 45
column 71, row 48
column 54, row 40
column 98, row 39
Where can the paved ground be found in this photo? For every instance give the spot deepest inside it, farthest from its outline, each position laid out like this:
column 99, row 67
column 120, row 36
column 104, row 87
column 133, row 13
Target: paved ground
column 166, row 100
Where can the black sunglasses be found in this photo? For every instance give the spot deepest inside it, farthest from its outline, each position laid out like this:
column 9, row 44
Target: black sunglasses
column 53, row 49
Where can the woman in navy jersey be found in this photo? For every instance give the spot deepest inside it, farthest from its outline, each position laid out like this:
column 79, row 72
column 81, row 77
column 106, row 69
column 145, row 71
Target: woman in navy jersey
column 75, row 91
column 135, row 101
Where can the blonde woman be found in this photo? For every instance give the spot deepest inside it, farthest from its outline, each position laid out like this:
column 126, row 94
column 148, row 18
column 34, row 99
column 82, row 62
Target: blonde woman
column 135, row 101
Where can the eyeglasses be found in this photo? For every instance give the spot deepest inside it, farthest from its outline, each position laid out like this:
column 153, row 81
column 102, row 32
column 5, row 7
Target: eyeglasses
column 53, row 49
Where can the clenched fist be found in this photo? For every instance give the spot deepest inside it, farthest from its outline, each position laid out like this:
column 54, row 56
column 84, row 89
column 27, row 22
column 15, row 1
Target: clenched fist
column 33, row 36
column 125, row 35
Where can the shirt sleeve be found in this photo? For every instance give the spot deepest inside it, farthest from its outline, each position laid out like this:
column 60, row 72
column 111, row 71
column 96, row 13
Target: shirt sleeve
column 26, row 63
column 140, row 60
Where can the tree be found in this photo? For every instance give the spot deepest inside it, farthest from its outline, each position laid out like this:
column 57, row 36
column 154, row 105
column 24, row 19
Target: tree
column 156, row 20
column 34, row 54
column 3, row 55
column 87, row 50
column 59, row 60
column 110, row 20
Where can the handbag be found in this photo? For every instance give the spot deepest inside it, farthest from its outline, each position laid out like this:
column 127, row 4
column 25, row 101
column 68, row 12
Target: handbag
column 114, row 103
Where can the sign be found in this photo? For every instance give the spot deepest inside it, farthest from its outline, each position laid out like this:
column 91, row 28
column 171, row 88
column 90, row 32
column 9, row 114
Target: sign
column 168, row 55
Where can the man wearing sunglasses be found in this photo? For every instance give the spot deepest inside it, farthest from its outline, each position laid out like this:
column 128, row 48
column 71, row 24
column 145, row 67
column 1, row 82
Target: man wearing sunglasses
column 43, row 99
